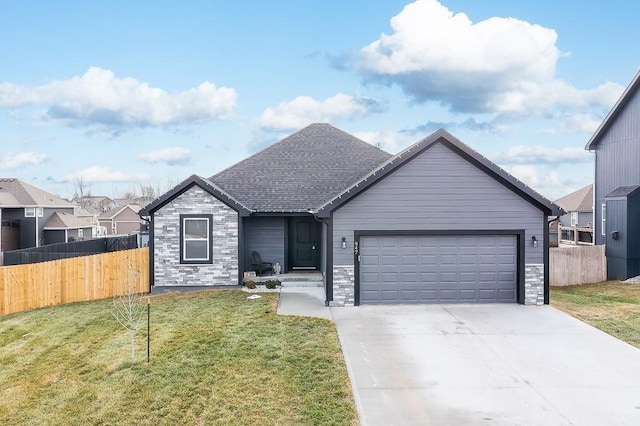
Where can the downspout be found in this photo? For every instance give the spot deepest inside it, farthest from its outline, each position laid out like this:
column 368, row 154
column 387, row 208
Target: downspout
column 150, row 224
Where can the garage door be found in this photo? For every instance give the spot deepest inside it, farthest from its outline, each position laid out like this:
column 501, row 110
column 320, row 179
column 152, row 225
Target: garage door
column 438, row 269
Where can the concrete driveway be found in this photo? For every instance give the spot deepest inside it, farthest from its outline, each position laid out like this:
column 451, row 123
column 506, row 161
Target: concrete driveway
column 489, row 364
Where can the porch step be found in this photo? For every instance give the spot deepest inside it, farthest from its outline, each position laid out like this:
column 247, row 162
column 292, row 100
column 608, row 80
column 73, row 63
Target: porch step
column 302, row 283
column 296, row 279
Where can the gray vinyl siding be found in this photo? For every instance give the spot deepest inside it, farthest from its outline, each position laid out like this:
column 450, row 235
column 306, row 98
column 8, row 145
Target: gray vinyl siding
column 438, row 190
column 266, row 235
column 584, row 219
column 617, row 159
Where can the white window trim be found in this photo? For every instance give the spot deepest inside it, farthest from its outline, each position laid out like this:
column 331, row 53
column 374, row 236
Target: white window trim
column 603, row 225
column 33, row 212
column 574, row 218
column 183, row 257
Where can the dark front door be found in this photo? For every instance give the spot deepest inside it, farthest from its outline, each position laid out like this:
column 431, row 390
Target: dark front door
column 303, row 243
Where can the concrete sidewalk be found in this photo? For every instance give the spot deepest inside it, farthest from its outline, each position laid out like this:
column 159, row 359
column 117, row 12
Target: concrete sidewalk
column 303, row 301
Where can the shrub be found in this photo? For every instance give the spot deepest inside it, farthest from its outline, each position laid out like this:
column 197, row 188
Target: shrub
column 271, row 284
column 250, row 284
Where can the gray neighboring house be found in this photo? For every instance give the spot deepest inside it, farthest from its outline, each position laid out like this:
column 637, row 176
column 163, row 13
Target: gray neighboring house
column 123, row 220
column 576, row 226
column 24, row 213
column 616, row 144
column 436, row 223
column 64, row 228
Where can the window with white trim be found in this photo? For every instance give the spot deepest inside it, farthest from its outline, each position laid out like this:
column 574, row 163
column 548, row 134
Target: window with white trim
column 574, row 218
column 80, row 233
column 33, row 211
column 195, row 238
column 604, row 219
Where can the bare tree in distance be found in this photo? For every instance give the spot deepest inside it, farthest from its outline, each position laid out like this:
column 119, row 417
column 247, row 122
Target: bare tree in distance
column 81, row 192
column 128, row 306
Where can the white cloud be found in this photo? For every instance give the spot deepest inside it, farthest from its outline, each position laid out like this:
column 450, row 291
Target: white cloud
column 170, row 156
column 581, row 123
column 15, row 161
column 387, row 139
column 525, row 154
column 304, row 110
column 499, row 65
column 549, row 182
column 98, row 99
column 96, row 174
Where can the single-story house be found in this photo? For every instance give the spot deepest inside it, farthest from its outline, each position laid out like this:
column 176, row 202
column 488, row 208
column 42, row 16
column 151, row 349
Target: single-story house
column 64, row 227
column 123, row 220
column 437, row 222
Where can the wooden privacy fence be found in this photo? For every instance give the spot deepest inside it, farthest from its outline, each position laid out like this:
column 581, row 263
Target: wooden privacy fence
column 36, row 285
column 577, row 265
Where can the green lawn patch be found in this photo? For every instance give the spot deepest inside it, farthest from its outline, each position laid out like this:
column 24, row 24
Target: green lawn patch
column 216, row 358
column 611, row 306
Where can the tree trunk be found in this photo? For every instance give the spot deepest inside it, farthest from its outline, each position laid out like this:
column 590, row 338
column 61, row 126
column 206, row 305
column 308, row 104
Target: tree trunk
column 133, row 346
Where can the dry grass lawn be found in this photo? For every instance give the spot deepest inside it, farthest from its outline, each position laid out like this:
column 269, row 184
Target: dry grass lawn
column 216, row 358
column 611, row 306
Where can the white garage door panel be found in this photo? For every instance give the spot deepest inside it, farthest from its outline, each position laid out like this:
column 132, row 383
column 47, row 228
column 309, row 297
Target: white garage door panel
column 438, row 268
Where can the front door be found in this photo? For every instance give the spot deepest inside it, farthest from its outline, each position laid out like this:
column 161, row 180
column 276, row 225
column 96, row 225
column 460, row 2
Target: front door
column 303, row 243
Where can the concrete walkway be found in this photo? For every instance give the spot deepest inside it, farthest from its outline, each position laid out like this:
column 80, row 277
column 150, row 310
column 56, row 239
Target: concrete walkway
column 304, row 301
column 487, row 364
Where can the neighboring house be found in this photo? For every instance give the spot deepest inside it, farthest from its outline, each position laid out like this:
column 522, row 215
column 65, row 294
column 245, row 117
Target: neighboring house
column 436, row 223
column 25, row 211
column 95, row 203
column 576, row 227
column 616, row 144
column 122, row 220
column 64, row 227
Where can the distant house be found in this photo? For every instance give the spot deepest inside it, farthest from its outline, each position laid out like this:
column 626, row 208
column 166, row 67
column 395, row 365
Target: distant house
column 64, row 227
column 25, row 211
column 95, row 203
column 576, row 226
column 122, row 220
column 435, row 223
column 616, row 144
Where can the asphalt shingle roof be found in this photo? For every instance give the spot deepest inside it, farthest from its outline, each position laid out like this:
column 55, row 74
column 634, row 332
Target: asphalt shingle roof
column 578, row 201
column 16, row 193
column 302, row 171
column 61, row 220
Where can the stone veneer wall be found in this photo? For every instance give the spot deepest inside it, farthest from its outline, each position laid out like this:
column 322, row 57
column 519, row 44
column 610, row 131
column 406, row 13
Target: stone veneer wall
column 343, row 285
column 534, row 284
column 168, row 271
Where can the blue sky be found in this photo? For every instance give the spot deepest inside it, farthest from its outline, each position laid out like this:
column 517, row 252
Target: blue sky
column 125, row 94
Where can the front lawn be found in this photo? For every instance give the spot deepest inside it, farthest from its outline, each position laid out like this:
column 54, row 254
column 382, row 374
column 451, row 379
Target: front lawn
column 611, row 306
column 216, row 358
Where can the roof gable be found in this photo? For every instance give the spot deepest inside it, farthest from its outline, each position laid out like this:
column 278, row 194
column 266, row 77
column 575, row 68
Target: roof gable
column 61, row 220
column 302, row 171
column 184, row 186
column 457, row 146
column 111, row 214
column 623, row 101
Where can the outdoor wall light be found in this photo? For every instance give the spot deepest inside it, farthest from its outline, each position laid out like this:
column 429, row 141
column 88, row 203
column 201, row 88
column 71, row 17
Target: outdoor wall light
column 344, row 243
column 534, row 241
